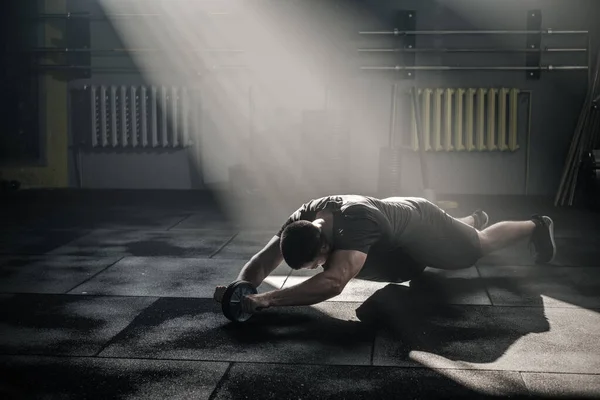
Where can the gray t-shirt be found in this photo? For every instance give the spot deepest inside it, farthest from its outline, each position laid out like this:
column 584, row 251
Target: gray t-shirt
column 359, row 222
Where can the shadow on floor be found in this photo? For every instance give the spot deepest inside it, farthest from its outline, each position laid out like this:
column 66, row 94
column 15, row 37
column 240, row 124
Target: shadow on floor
column 419, row 318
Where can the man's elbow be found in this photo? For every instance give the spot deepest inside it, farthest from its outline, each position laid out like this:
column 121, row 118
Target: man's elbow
column 336, row 288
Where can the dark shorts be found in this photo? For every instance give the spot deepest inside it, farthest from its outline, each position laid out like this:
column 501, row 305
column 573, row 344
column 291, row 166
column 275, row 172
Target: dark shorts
column 431, row 238
column 434, row 238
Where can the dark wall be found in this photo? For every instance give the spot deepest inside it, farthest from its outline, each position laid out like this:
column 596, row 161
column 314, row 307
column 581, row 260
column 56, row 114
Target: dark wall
column 20, row 141
column 326, row 32
column 556, row 98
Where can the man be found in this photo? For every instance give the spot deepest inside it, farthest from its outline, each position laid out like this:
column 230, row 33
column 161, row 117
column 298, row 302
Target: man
column 390, row 240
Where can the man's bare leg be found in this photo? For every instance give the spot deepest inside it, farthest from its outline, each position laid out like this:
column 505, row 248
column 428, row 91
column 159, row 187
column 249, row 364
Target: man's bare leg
column 540, row 230
column 504, row 234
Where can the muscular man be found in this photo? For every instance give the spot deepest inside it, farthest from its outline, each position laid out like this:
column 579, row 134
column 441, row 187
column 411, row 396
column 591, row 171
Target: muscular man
column 390, row 240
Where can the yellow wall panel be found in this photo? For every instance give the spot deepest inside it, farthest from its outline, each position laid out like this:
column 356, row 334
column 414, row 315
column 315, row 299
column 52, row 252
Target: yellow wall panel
column 54, row 172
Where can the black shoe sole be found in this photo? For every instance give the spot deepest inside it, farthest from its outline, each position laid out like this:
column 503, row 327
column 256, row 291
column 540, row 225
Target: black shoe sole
column 551, row 230
column 550, row 224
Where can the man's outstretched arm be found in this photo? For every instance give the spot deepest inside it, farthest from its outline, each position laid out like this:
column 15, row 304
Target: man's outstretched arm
column 262, row 263
column 343, row 266
column 258, row 268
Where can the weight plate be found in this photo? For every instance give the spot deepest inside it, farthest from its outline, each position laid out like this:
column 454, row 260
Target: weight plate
column 232, row 300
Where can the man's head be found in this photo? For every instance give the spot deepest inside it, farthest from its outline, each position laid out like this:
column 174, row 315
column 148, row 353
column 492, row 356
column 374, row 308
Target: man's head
column 303, row 245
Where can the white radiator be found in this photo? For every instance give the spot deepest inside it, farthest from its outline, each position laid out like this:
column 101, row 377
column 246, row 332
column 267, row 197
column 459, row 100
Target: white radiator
column 467, row 119
column 142, row 116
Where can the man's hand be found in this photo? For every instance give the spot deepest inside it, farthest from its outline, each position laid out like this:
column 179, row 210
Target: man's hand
column 253, row 303
column 219, row 292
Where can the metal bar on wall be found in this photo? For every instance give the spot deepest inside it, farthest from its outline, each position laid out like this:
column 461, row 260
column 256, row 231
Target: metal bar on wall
column 479, row 50
column 121, row 50
column 49, row 67
column 407, row 20
column 67, row 15
column 534, row 42
column 479, row 68
column 396, row 32
column 78, row 35
column 108, row 17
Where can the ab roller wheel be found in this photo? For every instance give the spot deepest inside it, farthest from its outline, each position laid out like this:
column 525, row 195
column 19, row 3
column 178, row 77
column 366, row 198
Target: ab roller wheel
column 231, row 302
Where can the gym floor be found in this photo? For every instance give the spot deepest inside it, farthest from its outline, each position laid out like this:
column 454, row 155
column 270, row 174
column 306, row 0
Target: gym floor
column 109, row 295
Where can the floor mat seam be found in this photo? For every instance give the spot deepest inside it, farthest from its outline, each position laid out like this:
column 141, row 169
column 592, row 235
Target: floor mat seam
column 179, row 222
column 224, row 245
column 484, row 285
column 114, row 338
column 221, row 381
column 95, row 275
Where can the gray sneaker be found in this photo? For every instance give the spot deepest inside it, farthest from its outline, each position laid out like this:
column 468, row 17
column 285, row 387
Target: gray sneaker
column 542, row 240
column 481, row 220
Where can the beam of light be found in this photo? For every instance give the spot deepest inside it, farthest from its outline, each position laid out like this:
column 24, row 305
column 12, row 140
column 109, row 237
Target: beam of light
column 279, row 65
column 478, row 379
column 279, row 72
column 260, row 68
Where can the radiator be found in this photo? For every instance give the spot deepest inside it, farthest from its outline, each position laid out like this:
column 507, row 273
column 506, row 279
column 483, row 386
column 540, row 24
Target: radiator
column 467, row 119
column 141, row 116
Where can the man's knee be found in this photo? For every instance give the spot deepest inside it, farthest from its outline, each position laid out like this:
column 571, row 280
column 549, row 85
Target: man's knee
column 484, row 243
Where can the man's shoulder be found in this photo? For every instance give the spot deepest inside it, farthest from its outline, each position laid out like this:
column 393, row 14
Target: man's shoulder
column 347, row 204
column 321, row 203
column 355, row 203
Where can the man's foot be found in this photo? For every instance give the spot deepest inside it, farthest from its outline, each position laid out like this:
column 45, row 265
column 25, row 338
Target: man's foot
column 480, row 219
column 542, row 239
